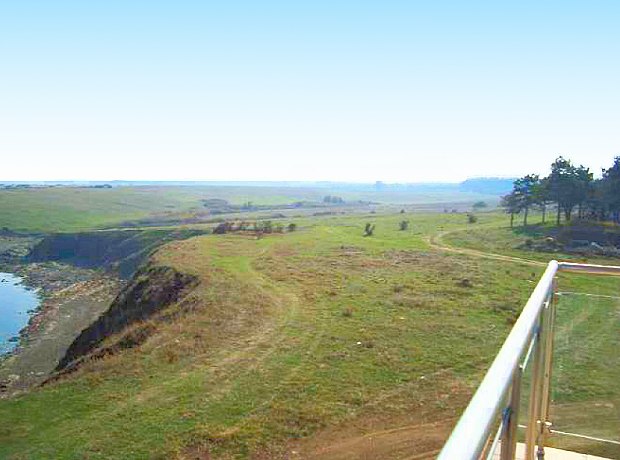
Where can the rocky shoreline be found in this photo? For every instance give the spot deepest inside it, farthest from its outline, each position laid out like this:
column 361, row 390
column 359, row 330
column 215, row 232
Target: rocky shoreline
column 71, row 298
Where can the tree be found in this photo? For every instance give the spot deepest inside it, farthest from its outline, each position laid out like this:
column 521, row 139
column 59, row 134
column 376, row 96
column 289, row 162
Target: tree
column 403, row 225
column 541, row 196
column 223, row 228
column 511, row 206
column 369, row 229
column 292, row 227
column 333, row 199
column 267, row 226
column 524, row 191
column 583, row 189
column 559, row 183
column 568, row 186
column 478, row 205
column 610, row 189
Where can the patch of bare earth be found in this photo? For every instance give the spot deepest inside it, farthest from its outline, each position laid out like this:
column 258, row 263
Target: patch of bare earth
column 416, row 433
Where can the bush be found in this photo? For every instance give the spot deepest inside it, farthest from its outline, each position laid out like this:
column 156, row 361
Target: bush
column 222, row 228
column 292, row 227
column 471, row 218
column 333, row 199
column 403, row 225
column 369, row 229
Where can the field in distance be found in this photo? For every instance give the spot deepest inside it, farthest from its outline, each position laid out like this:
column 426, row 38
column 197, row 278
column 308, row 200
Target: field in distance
column 78, row 208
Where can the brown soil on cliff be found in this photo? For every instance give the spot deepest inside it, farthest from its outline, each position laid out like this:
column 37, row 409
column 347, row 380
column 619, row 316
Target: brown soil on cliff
column 150, row 290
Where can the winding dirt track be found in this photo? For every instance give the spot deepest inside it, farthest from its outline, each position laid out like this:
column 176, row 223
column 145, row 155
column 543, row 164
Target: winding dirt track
column 412, row 442
column 435, row 241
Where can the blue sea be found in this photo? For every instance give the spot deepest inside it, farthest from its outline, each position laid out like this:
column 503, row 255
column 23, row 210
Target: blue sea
column 16, row 300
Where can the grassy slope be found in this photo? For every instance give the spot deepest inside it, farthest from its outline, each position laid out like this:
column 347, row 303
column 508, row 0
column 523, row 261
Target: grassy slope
column 75, row 209
column 500, row 239
column 287, row 335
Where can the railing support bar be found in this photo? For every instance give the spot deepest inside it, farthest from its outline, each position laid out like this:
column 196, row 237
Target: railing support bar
column 545, row 424
column 509, row 440
column 531, row 434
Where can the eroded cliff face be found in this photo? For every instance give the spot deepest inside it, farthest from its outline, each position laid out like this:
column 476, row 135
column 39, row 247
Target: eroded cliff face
column 121, row 252
column 150, row 290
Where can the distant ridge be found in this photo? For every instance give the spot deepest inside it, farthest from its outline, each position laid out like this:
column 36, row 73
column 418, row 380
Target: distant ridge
column 482, row 185
column 487, row 185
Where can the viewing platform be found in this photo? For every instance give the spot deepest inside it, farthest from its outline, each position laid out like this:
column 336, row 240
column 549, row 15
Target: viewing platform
column 515, row 413
column 551, row 454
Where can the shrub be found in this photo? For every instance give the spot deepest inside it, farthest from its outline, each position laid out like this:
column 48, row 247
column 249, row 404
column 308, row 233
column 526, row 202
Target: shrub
column 333, row 199
column 222, row 228
column 403, row 225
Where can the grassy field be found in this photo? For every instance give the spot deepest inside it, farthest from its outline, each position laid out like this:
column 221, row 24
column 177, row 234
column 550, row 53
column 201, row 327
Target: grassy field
column 302, row 345
column 70, row 209
column 75, row 209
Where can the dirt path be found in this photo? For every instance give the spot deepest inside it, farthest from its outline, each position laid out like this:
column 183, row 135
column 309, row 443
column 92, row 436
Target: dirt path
column 435, row 241
column 410, row 442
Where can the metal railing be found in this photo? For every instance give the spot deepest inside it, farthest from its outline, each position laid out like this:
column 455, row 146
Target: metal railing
column 491, row 419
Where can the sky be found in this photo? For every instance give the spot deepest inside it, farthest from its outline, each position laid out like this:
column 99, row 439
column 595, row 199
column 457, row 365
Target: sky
column 398, row 91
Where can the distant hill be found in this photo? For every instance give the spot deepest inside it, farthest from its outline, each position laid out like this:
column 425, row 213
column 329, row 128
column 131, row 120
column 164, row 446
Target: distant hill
column 487, row 185
column 483, row 185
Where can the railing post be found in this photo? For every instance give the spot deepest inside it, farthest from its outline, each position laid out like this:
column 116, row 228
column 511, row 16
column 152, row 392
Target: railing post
column 509, row 439
column 531, row 434
column 545, row 424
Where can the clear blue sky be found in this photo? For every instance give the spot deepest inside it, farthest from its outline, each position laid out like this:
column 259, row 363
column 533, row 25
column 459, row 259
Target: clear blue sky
column 312, row 90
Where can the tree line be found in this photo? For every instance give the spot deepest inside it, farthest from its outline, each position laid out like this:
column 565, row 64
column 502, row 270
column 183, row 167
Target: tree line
column 257, row 227
column 570, row 190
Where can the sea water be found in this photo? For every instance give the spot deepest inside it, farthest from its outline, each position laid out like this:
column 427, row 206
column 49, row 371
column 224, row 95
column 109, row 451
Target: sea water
column 16, row 303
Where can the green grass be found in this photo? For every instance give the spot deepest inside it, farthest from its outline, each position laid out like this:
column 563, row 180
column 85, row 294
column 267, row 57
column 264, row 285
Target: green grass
column 586, row 392
column 75, row 209
column 290, row 334
column 494, row 235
